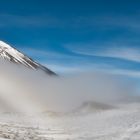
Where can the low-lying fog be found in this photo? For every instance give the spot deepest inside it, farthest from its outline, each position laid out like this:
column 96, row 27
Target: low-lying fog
column 27, row 90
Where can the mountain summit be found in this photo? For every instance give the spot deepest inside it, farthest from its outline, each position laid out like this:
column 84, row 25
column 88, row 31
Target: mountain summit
column 11, row 54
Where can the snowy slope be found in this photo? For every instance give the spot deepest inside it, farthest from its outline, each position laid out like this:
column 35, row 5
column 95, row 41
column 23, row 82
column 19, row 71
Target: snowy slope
column 12, row 55
column 122, row 123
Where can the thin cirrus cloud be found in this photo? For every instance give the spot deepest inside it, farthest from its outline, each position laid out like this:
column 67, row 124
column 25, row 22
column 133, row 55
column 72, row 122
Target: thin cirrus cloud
column 120, row 60
column 130, row 73
column 102, row 21
column 58, row 61
column 129, row 53
column 64, row 63
column 48, row 54
column 80, row 64
column 10, row 20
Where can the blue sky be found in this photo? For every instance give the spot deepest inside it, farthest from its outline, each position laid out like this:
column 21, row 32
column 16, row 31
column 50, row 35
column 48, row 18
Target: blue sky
column 75, row 35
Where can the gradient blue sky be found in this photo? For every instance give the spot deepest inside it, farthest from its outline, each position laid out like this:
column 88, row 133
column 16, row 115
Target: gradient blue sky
column 75, row 35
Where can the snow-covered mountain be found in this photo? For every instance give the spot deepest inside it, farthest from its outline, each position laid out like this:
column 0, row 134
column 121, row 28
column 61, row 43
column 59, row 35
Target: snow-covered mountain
column 11, row 54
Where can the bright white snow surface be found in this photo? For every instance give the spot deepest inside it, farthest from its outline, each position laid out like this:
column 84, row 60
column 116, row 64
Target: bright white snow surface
column 120, row 123
column 8, row 53
column 12, row 55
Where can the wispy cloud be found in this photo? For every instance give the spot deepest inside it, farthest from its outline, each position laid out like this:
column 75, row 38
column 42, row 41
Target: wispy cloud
column 9, row 20
column 129, row 73
column 104, row 21
column 48, row 53
column 84, row 59
column 130, row 53
column 82, row 65
column 64, row 69
column 41, row 53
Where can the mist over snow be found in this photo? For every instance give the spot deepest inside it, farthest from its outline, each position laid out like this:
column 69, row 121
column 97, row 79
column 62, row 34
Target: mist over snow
column 26, row 90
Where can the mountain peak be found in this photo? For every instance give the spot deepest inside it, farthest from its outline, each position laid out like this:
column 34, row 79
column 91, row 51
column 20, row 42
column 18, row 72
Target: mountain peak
column 11, row 54
column 4, row 45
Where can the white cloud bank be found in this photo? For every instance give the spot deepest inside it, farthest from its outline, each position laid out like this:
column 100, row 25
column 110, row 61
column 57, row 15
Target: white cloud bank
column 32, row 91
